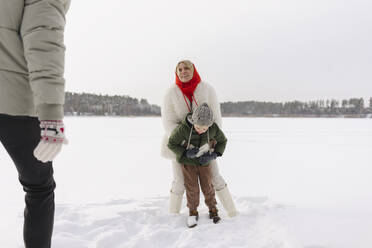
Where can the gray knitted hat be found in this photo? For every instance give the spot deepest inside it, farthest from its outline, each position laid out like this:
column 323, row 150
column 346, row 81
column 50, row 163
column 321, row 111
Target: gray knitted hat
column 202, row 116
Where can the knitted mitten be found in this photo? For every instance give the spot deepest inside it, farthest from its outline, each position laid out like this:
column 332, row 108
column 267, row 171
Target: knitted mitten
column 52, row 139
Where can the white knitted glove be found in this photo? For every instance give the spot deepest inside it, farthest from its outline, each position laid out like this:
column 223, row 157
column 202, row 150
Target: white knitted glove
column 52, row 139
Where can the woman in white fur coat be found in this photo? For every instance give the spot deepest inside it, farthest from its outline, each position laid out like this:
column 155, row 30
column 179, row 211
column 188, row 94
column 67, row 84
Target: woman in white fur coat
column 180, row 99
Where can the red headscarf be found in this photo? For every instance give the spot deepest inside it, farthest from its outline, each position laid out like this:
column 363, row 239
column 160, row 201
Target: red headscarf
column 189, row 87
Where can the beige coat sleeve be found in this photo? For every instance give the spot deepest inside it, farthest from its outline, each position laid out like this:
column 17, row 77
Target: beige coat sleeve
column 42, row 32
column 168, row 114
column 215, row 106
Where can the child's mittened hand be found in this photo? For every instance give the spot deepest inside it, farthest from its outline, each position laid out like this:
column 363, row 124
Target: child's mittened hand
column 191, row 153
column 206, row 158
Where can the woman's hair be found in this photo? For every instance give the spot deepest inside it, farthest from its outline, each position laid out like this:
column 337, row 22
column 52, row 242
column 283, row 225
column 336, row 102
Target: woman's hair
column 187, row 63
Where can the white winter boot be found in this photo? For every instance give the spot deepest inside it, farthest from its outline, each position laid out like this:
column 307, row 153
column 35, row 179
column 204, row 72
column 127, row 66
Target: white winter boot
column 175, row 201
column 227, row 202
column 192, row 220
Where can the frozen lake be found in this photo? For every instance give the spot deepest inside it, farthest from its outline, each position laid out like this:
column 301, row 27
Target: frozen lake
column 320, row 169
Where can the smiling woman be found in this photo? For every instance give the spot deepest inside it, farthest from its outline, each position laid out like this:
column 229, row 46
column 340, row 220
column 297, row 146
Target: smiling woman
column 185, row 71
column 181, row 98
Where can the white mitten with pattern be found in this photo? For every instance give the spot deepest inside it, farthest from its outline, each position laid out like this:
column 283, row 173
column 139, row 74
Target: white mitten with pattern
column 52, row 139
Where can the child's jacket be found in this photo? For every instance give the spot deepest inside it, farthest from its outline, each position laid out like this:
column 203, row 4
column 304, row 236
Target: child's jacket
column 185, row 135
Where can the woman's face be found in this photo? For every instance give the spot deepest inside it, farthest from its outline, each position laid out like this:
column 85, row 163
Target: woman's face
column 184, row 73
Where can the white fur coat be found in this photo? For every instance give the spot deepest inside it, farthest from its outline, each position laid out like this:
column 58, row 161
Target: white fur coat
column 174, row 110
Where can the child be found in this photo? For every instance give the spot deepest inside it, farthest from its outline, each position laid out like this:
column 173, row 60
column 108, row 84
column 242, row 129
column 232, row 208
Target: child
column 196, row 142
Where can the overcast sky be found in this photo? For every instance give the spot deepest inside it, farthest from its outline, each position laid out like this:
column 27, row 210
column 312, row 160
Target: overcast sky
column 266, row 50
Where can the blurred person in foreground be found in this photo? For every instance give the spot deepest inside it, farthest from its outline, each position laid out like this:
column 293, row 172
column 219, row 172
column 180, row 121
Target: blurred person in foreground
column 32, row 90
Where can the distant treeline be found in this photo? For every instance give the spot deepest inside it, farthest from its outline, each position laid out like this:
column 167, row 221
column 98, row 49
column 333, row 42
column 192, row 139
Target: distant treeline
column 354, row 107
column 104, row 105
column 92, row 104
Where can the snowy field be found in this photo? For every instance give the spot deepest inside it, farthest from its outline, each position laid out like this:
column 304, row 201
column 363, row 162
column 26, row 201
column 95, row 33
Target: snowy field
column 302, row 183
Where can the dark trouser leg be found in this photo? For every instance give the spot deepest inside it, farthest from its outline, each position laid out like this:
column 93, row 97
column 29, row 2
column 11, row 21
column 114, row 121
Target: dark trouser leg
column 205, row 177
column 190, row 175
column 20, row 135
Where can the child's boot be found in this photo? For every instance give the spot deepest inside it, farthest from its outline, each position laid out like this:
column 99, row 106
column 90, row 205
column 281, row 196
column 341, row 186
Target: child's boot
column 192, row 220
column 213, row 214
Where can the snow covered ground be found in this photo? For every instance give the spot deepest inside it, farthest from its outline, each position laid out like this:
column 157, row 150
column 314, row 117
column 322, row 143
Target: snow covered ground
column 296, row 182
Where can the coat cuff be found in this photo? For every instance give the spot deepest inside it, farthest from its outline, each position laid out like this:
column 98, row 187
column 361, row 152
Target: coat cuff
column 50, row 111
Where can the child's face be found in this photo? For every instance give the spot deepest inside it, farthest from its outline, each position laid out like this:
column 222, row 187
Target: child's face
column 200, row 129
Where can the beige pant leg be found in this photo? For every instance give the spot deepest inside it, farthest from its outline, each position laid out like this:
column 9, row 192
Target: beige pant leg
column 178, row 184
column 222, row 190
column 217, row 180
